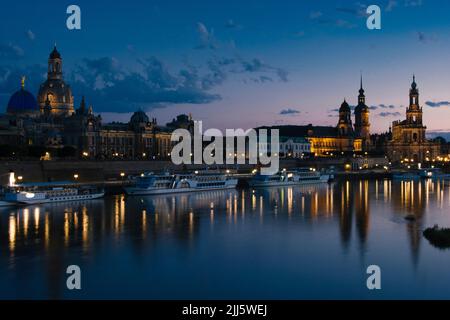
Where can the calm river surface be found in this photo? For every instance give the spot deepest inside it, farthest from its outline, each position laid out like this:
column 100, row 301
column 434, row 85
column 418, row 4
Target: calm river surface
column 276, row 243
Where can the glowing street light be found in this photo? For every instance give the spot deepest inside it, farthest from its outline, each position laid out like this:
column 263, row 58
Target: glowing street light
column 76, row 175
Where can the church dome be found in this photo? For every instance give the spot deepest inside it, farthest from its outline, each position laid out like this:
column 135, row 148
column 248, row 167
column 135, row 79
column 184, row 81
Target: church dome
column 344, row 107
column 139, row 117
column 22, row 101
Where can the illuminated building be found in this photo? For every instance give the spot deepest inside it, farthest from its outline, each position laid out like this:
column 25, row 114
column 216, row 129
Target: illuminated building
column 408, row 142
column 52, row 122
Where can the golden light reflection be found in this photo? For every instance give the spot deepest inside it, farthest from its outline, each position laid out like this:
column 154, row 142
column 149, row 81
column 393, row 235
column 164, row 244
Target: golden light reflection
column 12, row 233
column 191, row 223
column 26, row 218
column 144, row 223
column 290, row 201
column 85, row 224
column 46, row 230
column 36, row 219
column 303, row 205
column 66, row 229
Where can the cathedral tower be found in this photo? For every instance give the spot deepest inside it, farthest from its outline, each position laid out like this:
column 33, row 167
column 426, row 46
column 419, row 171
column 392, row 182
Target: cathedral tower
column 345, row 126
column 414, row 111
column 362, row 123
column 55, row 90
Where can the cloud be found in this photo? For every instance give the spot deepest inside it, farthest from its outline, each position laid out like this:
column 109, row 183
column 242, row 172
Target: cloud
column 359, row 10
column 402, row 3
column 256, row 65
column 413, row 3
column 231, row 24
column 207, row 38
column 391, row 5
column 300, row 34
column 389, row 114
column 30, row 35
column 437, row 104
column 315, row 14
column 339, row 23
column 11, row 51
column 289, row 111
column 425, row 38
column 112, row 88
column 384, row 106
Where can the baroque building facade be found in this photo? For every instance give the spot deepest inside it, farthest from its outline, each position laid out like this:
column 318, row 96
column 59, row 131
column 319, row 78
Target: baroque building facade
column 408, row 140
column 344, row 138
column 51, row 121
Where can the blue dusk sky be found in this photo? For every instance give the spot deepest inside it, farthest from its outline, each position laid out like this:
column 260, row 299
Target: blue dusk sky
column 235, row 64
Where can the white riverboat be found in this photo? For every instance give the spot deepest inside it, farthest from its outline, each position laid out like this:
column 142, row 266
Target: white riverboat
column 287, row 178
column 150, row 183
column 49, row 192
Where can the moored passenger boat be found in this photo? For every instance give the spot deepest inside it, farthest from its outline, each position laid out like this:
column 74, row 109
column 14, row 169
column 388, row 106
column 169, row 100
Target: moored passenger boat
column 286, row 178
column 49, row 192
column 150, row 183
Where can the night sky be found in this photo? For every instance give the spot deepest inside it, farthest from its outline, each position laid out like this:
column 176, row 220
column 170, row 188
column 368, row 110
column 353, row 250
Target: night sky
column 235, row 64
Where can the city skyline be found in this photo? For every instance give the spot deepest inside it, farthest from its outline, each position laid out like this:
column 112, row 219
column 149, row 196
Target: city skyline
column 296, row 70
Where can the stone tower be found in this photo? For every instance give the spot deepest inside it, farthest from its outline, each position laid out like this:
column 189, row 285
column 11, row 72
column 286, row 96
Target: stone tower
column 345, row 127
column 362, row 122
column 55, row 90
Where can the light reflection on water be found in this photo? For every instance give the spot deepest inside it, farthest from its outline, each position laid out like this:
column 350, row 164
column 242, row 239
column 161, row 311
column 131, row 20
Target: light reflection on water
column 292, row 242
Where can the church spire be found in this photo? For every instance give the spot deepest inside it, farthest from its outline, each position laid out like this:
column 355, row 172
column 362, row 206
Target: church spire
column 82, row 105
column 361, row 96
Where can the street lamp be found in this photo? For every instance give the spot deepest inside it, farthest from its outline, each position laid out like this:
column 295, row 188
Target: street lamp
column 76, row 176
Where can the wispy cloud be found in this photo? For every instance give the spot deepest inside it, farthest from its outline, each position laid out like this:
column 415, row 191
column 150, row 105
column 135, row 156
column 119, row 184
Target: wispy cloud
column 30, row 35
column 391, row 5
column 425, row 38
column 315, row 15
column 207, row 38
column 384, row 106
column 11, row 51
column 437, row 104
column 231, row 24
column 289, row 111
column 389, row 114
column 358, row 10
column 257, row 66
column 413, row 3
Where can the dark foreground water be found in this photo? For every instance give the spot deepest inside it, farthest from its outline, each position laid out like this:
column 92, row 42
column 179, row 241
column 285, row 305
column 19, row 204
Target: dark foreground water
column 277, row 243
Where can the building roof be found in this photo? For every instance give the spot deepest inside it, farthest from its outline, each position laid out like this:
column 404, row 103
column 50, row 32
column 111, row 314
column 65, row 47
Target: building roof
column 22, row 101
column 139, row 117
column 344, row 107
column 305, row 131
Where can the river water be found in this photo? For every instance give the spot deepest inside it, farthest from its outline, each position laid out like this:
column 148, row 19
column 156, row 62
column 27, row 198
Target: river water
column 305, row 242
